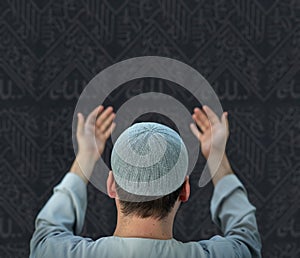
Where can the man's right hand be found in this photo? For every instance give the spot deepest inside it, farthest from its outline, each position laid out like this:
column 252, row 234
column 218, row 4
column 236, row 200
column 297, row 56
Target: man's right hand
column 210, row 124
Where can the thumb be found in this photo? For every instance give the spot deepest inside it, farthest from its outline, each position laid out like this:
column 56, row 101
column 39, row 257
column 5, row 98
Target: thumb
column 80, row 124
column 224, row 120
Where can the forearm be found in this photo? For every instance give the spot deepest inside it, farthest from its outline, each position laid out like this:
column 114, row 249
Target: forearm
column 223, row 170
column 83, row 166
column 234, row 214
column 63, row 214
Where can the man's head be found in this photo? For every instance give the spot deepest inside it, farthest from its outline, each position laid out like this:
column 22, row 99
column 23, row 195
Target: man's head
column 149, row 166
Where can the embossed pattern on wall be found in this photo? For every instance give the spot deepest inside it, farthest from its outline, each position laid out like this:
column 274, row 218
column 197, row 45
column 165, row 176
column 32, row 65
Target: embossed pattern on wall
column 249, row 51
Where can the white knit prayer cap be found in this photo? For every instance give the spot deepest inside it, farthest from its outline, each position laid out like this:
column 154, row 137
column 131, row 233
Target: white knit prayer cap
column 149, row 159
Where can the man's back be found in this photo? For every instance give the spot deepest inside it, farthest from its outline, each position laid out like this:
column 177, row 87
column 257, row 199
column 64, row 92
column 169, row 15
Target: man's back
column 230, row 209
column 150, row 248
column 153, row 248
column 141, row 227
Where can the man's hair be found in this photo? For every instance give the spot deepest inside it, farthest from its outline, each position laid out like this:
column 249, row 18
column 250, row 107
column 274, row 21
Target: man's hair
column 158, row 208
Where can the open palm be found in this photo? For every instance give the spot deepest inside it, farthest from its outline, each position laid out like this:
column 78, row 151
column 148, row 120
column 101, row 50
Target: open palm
column 212, row 129
column 93, row 133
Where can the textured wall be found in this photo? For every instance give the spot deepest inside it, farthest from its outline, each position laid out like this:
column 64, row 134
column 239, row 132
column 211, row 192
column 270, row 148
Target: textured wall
column 247, row 49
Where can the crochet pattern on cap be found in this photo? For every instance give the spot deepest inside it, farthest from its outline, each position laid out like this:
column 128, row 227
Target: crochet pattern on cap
column 149, row 159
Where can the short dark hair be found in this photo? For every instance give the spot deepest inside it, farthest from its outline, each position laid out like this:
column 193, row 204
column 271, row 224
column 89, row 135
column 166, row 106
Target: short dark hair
column 158, row 208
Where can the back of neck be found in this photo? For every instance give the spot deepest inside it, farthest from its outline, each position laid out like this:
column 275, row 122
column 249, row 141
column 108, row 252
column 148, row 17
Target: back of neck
column 133, row 226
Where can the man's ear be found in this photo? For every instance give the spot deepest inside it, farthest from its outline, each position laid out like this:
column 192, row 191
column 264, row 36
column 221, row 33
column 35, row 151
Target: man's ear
column 111, row 186
column 186, row 190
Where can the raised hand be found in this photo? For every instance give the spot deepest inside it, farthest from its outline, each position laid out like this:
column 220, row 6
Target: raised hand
column 209, row 124
column 92, row 135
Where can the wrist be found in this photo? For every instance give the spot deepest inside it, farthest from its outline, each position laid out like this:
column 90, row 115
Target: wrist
column 222, row 170
column 83, row 167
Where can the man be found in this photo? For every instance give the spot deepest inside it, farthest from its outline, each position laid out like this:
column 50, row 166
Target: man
column 148, row 159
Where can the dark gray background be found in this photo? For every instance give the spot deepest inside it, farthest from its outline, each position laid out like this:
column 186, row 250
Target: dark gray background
column 248, row 50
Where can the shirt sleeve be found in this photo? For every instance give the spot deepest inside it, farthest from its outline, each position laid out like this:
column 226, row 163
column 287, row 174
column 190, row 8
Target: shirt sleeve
column 232, row 212
column 61, row 218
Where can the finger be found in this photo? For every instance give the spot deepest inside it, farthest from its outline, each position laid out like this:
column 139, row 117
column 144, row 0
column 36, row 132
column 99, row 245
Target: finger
column 107, row 122
column 199, row 123
column 213, row 118
column 224, row 120
column 104, row 115
column 80, row 124
column 201, row 119
column 109, row 131
column 195, row 131
column 93, row 115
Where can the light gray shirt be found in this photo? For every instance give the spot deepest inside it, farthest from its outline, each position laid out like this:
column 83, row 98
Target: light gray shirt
column 62, row 218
